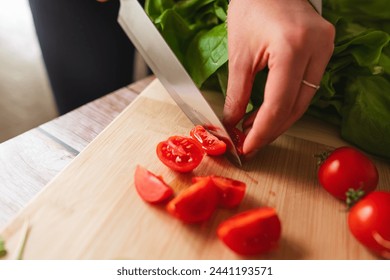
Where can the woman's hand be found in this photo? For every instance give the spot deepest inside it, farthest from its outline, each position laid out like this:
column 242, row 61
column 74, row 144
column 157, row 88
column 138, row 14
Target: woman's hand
column 295, row 42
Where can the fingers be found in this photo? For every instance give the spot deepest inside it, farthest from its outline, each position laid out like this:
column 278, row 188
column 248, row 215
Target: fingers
column 245, row 60
column 248, row 121
column 294, row 45
column 238, row 92
column 313, row 74
column 299, row 103
column 281, row 92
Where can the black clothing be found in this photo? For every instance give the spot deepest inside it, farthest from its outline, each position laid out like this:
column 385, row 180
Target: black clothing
column 86, row 52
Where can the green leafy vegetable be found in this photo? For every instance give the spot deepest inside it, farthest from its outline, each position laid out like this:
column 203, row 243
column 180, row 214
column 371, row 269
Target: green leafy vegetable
column 3, row 251
column 196, row 32
column 355, row 89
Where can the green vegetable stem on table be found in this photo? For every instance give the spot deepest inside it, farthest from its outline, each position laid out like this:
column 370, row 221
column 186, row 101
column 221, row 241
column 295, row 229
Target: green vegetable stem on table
column 355, row 89
column 3, row 251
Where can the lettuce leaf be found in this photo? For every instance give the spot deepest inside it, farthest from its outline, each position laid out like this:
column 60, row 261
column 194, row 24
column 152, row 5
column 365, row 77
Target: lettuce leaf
column 355, row 89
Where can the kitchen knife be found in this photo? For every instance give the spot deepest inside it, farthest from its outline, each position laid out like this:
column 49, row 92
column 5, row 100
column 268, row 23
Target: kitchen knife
column 168, row 69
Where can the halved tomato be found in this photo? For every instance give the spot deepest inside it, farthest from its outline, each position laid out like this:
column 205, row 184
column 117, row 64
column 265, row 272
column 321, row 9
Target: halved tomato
column 195, row 204
column 251, row 232
column 210, row 143
column 151, row 187
column 180, row 153
column 231, row 192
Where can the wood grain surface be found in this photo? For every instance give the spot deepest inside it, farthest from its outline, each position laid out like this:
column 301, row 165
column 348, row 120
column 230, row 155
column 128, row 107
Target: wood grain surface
column 29, row 161
column 92, row 211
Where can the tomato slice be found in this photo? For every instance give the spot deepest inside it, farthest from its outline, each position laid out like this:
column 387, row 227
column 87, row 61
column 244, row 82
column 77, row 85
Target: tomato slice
column 210, row 143
column 195, row 204
column 231, row 192
column 238, row 138
column 180, row 153
column 251, row 232
column 151, row 187
column 369, row 222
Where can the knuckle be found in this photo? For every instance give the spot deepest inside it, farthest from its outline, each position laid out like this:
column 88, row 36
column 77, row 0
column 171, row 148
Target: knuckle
column 233, row 108
column 329, row 30
column 239, row 63
column 297, row 38
column 229, row 102
column 329, row 33
column 278, row 113
column 301, row 36
column 325, row 37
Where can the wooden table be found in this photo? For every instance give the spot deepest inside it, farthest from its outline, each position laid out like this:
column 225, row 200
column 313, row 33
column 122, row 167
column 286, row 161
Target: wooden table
column 29, row 161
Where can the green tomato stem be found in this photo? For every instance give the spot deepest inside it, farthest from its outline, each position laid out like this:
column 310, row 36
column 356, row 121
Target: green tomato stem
column 353, row 196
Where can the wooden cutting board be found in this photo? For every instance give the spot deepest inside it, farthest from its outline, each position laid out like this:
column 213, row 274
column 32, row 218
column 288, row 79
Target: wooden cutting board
column 92, row 211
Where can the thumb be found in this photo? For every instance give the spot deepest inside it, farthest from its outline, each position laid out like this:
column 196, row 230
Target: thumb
column 240, row 81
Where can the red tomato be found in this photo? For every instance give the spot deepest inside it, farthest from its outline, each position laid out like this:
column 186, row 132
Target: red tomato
column 369, row 222
column 251, row 232
column 231, row 192
column 180, row 153
column 347, row 168
column 210, row 143
column 150, row 187
column 238, row 138
column 195, row 204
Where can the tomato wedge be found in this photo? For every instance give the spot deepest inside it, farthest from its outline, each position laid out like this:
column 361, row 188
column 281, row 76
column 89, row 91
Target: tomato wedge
column 210, row 143
column 195, row 204
column 151, row 187
column 251, row 232
column 231, row 192
column 238, row 138
column 369, row 222
column 180, row 153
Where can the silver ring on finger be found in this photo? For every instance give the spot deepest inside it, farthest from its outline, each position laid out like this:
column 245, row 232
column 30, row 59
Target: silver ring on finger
column 316, row 87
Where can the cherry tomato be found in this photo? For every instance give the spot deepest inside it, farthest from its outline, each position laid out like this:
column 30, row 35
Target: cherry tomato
column 180, row 153
column 347, row 168
column 210, row 143
column 238, row 138
column 369, row 222
column 151, row 187
column 231, row 192
column 251, row 232
column 195, row 204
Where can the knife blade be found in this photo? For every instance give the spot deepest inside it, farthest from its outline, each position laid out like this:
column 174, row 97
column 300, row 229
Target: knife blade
column 171, row 73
